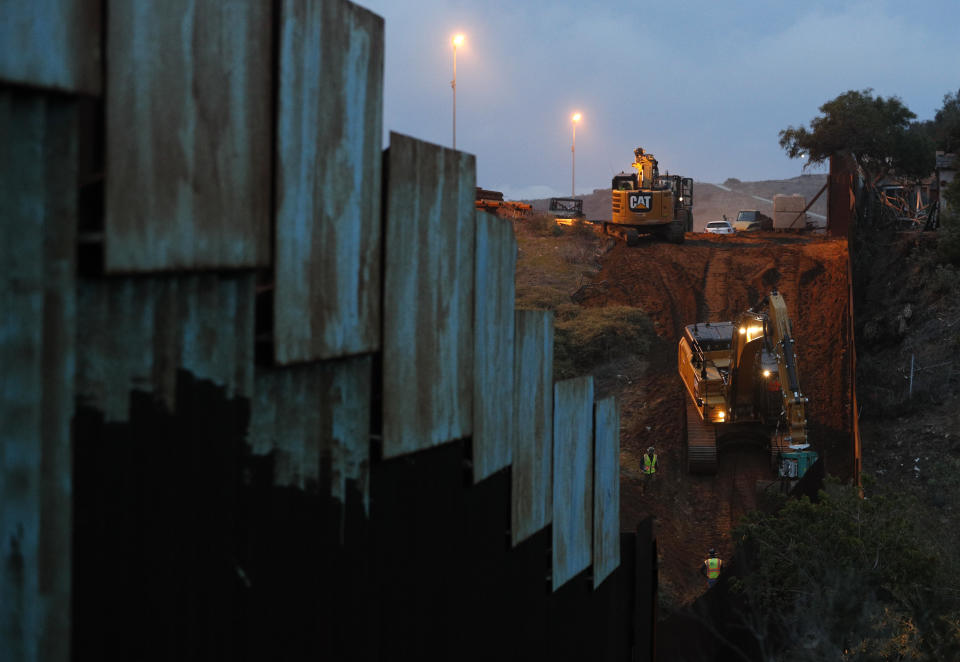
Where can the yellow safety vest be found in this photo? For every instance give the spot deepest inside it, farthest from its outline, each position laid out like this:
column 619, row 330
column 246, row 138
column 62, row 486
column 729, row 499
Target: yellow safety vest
column 713, row 567
column 649, row 464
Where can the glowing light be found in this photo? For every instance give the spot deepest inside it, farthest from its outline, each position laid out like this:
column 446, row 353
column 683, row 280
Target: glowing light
column 766, row 373
column 743, row 330
column 576, row 117
column 458, row 40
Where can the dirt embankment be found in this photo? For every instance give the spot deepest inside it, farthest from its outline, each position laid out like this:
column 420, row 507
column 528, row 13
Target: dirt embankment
column 715, row 278
column 908, row 335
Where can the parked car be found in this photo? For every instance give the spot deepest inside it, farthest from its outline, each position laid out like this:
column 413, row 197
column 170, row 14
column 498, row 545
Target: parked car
column 720, row 227
column 746, row 219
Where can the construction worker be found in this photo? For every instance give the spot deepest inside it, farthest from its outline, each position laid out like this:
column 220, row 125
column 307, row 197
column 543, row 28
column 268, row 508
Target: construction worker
column 649, row 467
column 650, row 462
column 712, row 567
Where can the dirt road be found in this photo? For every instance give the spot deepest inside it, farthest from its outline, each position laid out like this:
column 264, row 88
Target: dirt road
column 713, row 278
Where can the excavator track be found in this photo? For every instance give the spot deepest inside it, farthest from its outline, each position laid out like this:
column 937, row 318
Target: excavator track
column 701, row 443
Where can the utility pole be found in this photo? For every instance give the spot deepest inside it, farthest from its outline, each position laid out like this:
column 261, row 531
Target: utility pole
column 456, row 42
column 573, row 156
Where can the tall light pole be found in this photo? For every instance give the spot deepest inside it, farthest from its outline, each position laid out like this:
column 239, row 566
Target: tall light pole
column 573, row 156
column 457, row 40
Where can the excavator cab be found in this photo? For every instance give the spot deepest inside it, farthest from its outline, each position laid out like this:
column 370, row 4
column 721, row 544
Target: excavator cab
column 685, row 199
column 624, row 182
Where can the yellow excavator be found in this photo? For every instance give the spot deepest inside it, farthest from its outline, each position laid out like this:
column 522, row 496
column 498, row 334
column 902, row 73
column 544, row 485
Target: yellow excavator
column 646, row 202
column 743, row 385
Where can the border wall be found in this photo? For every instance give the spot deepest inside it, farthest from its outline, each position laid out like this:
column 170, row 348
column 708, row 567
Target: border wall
column 265, row 395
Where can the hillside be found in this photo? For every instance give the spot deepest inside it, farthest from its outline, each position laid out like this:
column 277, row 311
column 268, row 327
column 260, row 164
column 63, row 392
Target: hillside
column 712, row 201
column 619, row 311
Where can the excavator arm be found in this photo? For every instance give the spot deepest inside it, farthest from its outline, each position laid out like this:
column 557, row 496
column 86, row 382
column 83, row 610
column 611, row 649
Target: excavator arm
column 794, row 402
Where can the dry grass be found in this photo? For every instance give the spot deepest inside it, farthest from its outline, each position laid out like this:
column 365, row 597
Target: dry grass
column 587, row 338
column 554, row 261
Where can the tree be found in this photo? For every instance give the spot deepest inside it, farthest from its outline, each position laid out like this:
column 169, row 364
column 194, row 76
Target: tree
column 946, row 124
column 849, row 578
column 876, row 132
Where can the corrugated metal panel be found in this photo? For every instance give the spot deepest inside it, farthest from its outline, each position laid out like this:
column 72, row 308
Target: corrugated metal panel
column 493, row 401
column 841, row 201
column 52, row 43
column 428, row 296
column 38, row 179
column 315, row 419
column 532, row 489
column 188, row 135
column 572, row 478
column 328, row 230
column 136, row 333
column 606, row 489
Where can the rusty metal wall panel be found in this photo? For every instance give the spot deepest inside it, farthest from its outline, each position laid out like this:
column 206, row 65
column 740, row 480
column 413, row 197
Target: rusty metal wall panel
column 841, row 201
column 315, row 419
column 136, row 333
column 606, row 489
column 572, row 478
column 532, row 487
column 38, row 178
column 115, row 336
column 188, row 155
column 493, row 384
column 329, row 159
column 428, row 296
column 52, row 43
column 217, row 317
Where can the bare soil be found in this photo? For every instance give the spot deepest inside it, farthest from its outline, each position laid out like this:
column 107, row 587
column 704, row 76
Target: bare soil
column 713, row 278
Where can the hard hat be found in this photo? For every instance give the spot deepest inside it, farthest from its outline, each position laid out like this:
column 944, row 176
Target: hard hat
column 650, row 450
column 712, row 552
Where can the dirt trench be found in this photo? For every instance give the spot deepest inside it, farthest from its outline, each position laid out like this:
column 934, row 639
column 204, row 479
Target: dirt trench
column 713, row 279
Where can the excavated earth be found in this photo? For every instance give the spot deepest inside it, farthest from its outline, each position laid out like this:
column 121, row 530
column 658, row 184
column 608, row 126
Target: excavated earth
column 713, row 278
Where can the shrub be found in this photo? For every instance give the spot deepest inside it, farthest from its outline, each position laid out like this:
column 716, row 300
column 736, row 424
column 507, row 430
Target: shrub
column 948, row 238
column 849, row 577
column 577, row 253
column 944, row 279
column 586, row 338
column 541, row 297
column 581, row 228
column 541, row 224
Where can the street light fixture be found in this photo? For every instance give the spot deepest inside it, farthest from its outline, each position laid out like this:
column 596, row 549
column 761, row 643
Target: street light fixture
column 573, row 155
column 457, row 40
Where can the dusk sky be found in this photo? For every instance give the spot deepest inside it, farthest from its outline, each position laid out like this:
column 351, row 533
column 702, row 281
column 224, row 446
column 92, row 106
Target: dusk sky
column 704, row 85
